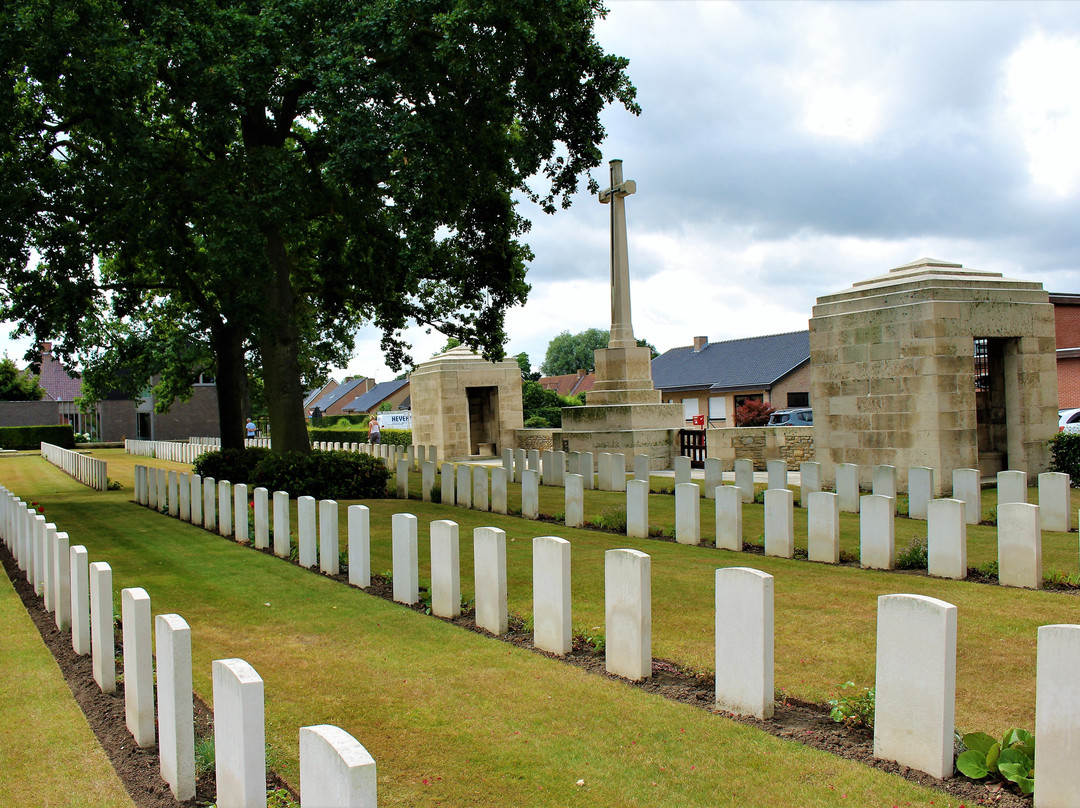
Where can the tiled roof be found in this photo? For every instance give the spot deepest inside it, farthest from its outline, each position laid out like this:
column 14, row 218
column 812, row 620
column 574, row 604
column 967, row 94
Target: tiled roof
column 569, row 384
column 753, row 363
column 311, row 395
column 375, row 396
column 338, row 393
column 56, row 382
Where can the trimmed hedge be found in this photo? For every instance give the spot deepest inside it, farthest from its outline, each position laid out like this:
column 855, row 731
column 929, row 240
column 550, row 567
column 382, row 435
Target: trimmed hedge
column 396, row 437
column 332, row 421
column 31, row 437
column 1065, row 454
column 323, row 475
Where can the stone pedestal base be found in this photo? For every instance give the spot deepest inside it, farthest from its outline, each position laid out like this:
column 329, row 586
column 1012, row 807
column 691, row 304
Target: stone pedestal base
column 623, row 376
column 629, row 429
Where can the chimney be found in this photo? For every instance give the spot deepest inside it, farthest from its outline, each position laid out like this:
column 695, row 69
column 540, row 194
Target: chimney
column 699, row 343
column 46, row 348
column 582, row 372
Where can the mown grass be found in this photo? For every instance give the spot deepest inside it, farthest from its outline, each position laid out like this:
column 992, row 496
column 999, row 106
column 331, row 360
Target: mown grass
column 500, row 726
column 48, row 754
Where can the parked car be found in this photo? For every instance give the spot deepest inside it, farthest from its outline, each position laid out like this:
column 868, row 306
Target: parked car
column 803, row 416
column 1069, row 420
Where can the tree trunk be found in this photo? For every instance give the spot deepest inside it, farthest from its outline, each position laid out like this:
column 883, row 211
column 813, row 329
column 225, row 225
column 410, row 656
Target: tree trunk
column 228, row 344
column 280, row 349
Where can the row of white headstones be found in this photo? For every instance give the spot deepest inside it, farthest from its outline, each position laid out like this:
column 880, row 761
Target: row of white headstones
column 335, row 769
column 90, row 471
column 916, row 641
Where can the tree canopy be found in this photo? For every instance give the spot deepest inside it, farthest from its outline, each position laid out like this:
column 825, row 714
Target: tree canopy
column 16, row 385
column 568, row 353
column 274, row 174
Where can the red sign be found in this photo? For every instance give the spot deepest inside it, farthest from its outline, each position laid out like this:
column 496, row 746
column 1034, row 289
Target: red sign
column 699, row 420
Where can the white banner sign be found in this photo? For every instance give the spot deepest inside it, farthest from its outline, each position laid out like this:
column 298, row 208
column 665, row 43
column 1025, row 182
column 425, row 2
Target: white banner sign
column 395, row 420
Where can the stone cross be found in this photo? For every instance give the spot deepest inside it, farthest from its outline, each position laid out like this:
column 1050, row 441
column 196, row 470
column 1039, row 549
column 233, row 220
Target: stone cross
column 622, row 331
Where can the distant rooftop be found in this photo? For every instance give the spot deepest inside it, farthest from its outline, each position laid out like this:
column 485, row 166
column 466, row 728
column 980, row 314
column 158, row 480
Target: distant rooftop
column 737, row 364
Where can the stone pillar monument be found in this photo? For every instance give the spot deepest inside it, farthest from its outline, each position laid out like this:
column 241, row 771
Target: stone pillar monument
column 623, row 412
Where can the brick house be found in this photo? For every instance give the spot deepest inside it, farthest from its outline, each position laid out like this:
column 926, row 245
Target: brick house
column 333, row 402
column 570, row 384
column 1067, row 328
column 395, row 393
column 712, row 379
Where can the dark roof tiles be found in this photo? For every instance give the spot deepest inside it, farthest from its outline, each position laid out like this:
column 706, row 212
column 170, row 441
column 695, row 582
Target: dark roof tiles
column 737, row 364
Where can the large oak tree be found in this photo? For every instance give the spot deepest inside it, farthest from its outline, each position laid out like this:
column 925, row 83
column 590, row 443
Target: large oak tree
column 276, row 173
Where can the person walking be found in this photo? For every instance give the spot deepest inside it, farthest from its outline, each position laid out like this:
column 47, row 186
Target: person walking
column 373, row 430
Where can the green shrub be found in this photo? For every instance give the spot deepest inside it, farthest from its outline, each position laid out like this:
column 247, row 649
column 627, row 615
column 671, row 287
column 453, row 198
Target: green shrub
column 396, row 437
column 1011, row 758
column 353, row 422
column 1065, row 454
column 854, row 710
column 235, row 465
column 537, row 422
column 323, row 475
column 337, row 435
column 31, row 437
column 914, row 556
column 613, row 519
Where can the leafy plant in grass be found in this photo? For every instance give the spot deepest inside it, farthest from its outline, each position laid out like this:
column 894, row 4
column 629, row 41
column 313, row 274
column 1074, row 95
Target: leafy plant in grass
column 613, row 519
column 914, row 556
column 1056, row 579
column 280, row 798
column 1012, row 758
column 589, row 639
column 204, row 755
column 856, row 709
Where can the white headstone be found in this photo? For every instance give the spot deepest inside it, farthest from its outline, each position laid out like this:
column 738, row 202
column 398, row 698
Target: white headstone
column 744, row 479
column 574, row 499
column 196, row 499
column 779, row 523
column 401, row 477
column 946, row 539
column 80, row 600
column 967, row 489
column 282, row 528
column 138, row 666
column 329, row 550
column 176, row 718
column 480, row 488
column 498, row 489
column 1019, row 545
column 714, row 476
column 508, row 463
column 744, row 641
column 641, row 467
column 225, row 506
column 533, row 460
column 446, row 484
column 603, row 471
column 547, row 467
column 405, row 555
column 809, row 481
column 915, row 685
column 920, row 485
column 519, row 465
column 62, row 576
column 489, row 578
column 823, row 527
column 262, row 519
column 305, row 530
column 637, row 509
column 1011, row 487
column 729, row 531
column 586, row 469
column 628, row 614
column 551, row 595
column 209, row 506
column 885, row 482
column 48, row 567
column 877, row 532
column 1057, row 715
column 336, row 771
column 239, row 734
column 558, row 475
column 427, row 480
column 530, row 494
column 682, row 470
column 847, row 487
column 174, row 491
column 102, row 644
column 618, row 471
column 445, row 569
column 1055, row 506
column 687, row 513
column 240, row 509
column 463, row 492
column 360, row 546
column 777, row 470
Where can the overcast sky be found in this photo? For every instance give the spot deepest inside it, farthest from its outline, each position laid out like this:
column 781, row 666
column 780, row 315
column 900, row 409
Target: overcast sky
column 787, row 150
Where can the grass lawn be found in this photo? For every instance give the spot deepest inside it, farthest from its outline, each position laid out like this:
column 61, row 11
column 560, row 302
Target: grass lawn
column 48, row 754
column 459, row 719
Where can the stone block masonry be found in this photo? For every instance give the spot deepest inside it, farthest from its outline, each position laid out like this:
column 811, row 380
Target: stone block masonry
column 759, row 444
column 915, row 686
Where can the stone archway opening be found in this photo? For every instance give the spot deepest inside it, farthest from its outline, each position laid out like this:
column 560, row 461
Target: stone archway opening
column 483, row 420
column 991, row 411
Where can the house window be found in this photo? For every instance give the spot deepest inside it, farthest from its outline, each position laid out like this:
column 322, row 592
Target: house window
column 717, row 408
column 689, row 408
column 798, row 399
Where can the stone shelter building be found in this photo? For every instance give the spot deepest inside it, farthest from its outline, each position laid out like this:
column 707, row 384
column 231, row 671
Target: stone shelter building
column 712, row 379
column 466, row 405
column 933, row 364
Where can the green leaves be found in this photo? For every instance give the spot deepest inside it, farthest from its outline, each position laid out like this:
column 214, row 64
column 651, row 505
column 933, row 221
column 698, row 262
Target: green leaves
column 856, row 709
column 1012, row 758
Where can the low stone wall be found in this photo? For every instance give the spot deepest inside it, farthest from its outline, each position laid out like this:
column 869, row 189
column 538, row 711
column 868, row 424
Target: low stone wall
column 793, row 444
column 534, row 439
